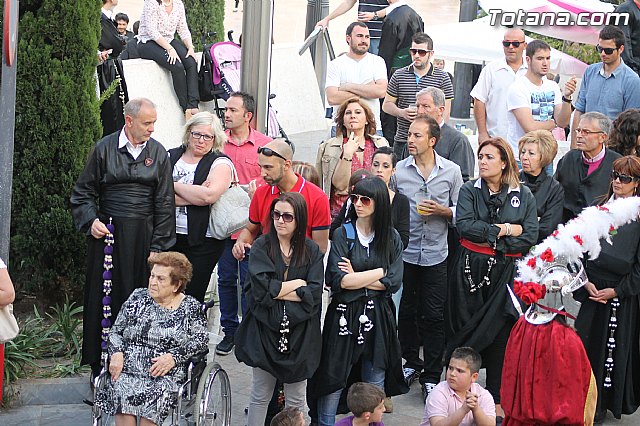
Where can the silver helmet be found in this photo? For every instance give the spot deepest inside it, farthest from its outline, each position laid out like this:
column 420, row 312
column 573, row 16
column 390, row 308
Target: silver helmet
column 560, row 279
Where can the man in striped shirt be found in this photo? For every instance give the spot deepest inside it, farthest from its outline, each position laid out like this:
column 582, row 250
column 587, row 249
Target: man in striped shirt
column 400, row 100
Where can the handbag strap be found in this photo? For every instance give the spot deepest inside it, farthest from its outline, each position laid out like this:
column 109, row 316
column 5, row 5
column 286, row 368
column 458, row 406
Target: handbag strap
column 235, row 180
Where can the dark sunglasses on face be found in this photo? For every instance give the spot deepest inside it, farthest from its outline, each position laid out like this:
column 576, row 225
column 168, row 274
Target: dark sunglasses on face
column 606, row 50
column 622, row 178
column 269, row 152
column 366, row 201
column 512, row 43
column 420, row 52
column 286, row 217
column 198, row 135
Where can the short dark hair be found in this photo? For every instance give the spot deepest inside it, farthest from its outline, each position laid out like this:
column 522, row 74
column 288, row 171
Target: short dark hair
column 122, row 17
column 136, row 26
column 386, row 150
column 611, row 32
column 470, row 356
column 248, row 101
column 536, row 45
column 300, row 254
column 364, row 397
column 434, row 127
column 422, row 38
column 289, row 416
column 355, row 24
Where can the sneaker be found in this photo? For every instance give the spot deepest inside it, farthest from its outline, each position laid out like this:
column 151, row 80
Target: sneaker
column 426, row 389
column 226, row 346
column 388, row 405
column 410, row 375
column 235, row 9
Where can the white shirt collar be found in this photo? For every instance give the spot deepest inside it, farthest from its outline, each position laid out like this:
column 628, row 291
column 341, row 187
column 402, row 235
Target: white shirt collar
column 504, row 65
column 135, row 151
column 478, row 184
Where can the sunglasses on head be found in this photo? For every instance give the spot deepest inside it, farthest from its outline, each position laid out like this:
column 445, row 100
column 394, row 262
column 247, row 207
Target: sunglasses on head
column 420, row 52
column 512, row 43
column 366, row 201
column 269, row 152
column 606, row 50
column 622, row 178
column 286, row 217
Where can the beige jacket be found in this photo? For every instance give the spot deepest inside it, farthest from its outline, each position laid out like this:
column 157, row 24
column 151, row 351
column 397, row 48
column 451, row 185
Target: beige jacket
column 329, row 154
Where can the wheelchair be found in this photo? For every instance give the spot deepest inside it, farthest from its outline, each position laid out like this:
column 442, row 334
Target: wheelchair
column 204, row 398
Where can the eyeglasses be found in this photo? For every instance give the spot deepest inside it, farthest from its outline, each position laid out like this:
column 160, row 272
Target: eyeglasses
column 366, row 201
column 508, row 43
column 623, row 178
column 420, row 52
column 286, row 217
column 198, row 135
column 269, row 152
column 606, row 50
column 586, row 132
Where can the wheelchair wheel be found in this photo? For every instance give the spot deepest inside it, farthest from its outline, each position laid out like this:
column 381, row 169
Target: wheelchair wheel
column 100, row 418
column 213, row 400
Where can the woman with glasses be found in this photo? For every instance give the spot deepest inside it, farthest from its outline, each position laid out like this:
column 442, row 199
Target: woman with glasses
column 350, row 150
column 280, row 334
column 497, row 221
column 201, row 174
column 360, row 332
column 608, row 322
column 625, row 134
column 537, row 150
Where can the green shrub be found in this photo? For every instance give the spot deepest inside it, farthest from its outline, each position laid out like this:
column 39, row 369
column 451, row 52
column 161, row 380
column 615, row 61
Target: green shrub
column 205, row 16
column 57, row 122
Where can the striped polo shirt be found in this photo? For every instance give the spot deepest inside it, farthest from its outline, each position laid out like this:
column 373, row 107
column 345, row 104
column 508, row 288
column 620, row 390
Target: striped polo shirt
column 404, row 85
column 375, row 25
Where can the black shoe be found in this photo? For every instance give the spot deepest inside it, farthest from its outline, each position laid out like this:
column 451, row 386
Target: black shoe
column 600, row 417
column 226, row 346
column 499, row 420
column 410, row 375
column 426, row 389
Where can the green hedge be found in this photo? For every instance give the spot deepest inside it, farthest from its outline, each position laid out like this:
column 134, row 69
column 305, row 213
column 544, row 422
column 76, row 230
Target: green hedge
column 57, row 123
column 205, row 16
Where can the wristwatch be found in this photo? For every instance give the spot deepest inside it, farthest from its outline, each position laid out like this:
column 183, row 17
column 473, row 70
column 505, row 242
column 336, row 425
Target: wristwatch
column 375, row 15
column 567, row 100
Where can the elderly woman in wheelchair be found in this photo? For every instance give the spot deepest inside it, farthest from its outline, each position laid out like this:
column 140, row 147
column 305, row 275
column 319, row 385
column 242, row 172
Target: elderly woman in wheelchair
column 157, row 331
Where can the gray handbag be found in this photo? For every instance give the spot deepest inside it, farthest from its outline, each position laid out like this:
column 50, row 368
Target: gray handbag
column 230, row 213
column 8, row 324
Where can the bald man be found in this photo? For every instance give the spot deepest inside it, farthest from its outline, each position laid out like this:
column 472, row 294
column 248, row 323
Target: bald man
column 490, row 93
column 275, row 168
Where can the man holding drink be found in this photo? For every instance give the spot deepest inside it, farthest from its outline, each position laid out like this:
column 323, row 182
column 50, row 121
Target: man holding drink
column 431, row 183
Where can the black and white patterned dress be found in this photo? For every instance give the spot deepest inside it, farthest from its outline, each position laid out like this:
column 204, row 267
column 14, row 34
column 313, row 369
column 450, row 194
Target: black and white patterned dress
column 145, row 330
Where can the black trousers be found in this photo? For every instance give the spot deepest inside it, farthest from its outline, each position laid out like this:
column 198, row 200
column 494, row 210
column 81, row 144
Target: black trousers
column 184, row 74
column 421, row 318
column 203, row 258
column 492, row 360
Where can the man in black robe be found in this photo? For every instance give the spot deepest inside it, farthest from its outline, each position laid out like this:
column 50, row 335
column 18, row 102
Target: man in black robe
column 127, row 180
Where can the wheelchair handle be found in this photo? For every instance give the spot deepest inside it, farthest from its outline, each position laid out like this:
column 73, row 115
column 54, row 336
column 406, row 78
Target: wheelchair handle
column 208, row 305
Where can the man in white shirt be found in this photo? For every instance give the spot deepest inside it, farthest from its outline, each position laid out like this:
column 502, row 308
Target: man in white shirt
column 490, row 92
column 533, row 101
column 357, row 73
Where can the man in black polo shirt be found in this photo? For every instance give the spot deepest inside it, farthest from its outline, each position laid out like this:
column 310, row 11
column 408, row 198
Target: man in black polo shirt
column 406, row 82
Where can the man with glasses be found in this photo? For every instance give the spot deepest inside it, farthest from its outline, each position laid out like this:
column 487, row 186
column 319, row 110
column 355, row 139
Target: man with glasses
column 400, row 100
column 241, row 147
column 490, row 92
column 533, row 101
column 610, row 86
column 584, row 172
column 431, row 183
column 275, row 167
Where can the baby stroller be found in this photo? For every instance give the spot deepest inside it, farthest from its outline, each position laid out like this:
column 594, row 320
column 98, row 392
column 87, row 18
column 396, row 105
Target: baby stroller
column 224, row 61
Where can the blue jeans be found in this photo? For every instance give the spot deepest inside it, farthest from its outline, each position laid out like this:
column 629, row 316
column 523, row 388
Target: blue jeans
column 228, row 287
column 328, row 404
column 374, row 44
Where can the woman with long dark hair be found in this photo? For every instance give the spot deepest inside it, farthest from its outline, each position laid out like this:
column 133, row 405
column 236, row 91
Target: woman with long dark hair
column 360, row 332
column 625, row 133
column 608, row 321
column 280, row 334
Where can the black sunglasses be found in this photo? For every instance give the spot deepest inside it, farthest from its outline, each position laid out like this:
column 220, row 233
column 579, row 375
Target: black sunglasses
column 366, row 201
column 269, row 152
column 606, row 50
column 623, row 178
column 286, row 217
column 512, row 43
column 420, row 52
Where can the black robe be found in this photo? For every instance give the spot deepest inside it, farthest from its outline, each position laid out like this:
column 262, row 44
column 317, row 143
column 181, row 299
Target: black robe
column 138, row 195
column 112, row 109
column 617, row 267
column 475, row 319
column 341, row 354
column 259, row 332
column 549, row 201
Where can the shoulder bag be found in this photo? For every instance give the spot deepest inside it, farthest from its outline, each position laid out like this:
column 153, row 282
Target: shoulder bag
column 8, row 324
column 230, row 213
